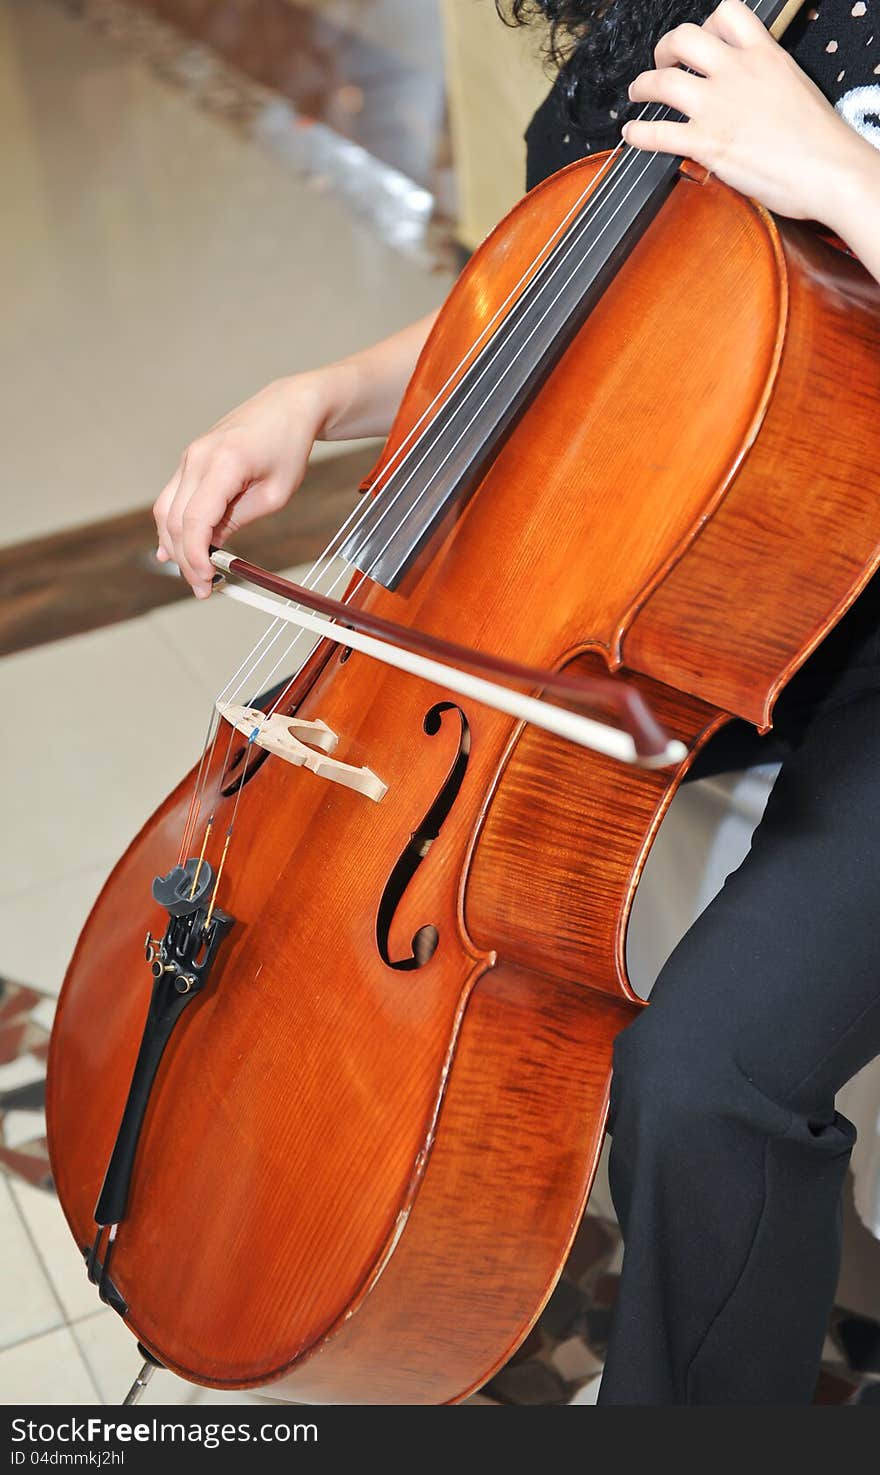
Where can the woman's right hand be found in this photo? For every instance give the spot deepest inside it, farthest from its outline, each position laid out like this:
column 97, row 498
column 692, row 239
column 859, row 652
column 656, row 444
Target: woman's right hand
column 247, row 465
column 252, row 461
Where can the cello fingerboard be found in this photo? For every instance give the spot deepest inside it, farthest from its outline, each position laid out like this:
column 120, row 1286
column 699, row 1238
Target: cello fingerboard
column 447, row 463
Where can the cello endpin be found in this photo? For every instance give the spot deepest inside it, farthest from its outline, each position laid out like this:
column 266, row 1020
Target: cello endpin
column 138, row 1387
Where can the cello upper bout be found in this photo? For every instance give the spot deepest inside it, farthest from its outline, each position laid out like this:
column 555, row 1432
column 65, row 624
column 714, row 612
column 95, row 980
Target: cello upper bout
column 797, row 536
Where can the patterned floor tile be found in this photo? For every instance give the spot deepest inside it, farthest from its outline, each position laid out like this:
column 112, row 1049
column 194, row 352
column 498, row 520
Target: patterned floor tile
column 24, row 1040
column 20, row 1128
column 29, row 1303
column 30, row 1164
column 589, row 1393
column 16, row 1001
column 19, row 1073
column 55, row 1245
column 46, row 1370
column 111, row 1354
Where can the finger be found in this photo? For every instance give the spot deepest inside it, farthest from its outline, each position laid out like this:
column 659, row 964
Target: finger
column 736, row 24
column 204, row 509
column 187, row 487
column 691, row 46
column 160, row 515
column 259, row 500
column 196, row 539
column 219, row 506
column 213, row 516
column 660, row 138
column 672, row 86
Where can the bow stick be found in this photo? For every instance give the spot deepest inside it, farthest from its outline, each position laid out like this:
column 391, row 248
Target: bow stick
column 621, row 723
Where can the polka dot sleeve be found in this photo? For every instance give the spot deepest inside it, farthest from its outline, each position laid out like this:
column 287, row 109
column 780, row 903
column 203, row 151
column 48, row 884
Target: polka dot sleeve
column 837, row 42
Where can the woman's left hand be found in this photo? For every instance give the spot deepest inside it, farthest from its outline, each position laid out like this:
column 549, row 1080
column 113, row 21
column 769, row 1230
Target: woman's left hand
column 755, row 118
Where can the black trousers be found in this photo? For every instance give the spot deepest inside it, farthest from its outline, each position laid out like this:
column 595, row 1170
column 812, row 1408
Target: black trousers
column 727, row 1155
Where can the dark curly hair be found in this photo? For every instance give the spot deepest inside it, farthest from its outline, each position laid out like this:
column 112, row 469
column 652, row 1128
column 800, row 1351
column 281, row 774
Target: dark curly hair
column 600, row 45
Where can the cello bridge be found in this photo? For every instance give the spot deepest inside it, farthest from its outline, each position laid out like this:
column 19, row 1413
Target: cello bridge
column 304, row 744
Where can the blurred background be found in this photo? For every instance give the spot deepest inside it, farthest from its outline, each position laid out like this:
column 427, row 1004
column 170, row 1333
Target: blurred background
column 199, row 196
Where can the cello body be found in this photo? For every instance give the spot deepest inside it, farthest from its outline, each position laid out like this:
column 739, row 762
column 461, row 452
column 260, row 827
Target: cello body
column 361, row 1168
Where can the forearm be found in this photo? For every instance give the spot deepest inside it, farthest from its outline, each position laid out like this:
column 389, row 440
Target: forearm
column 854, row 213
column 359, row 396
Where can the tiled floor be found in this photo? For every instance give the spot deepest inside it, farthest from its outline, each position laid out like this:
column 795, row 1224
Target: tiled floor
column 372, row 70
column 164, row 267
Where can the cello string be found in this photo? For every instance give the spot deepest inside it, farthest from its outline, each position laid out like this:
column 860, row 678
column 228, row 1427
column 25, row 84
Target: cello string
column 210, row 743
column 573, row 242
column 608, row 179
column 202, row 781
column 194, row 803
column 402, row 454
column 471, row 361
column 559, row 247
column 485, row 363
column 594, row 193
column 610, row 173
column 204, row 765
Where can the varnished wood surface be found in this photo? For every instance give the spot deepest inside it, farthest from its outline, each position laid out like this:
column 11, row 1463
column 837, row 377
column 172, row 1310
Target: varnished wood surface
column 85, row 577
column 561, row 907
column 308, row 1173
column 797, row 535
column 524, row 1111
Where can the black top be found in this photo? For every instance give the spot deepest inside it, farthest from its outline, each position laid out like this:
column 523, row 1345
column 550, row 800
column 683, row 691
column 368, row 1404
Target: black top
column 837, row 42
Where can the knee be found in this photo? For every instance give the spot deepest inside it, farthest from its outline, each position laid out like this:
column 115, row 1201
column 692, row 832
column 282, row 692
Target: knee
column 677, row 1082
column 654, row 1088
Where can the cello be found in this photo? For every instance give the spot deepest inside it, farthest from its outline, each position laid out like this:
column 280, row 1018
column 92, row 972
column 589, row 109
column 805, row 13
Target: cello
column 335, row 1136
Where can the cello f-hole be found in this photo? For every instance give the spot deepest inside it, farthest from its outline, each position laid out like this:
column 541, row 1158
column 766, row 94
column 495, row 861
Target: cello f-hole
column 426, row 939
